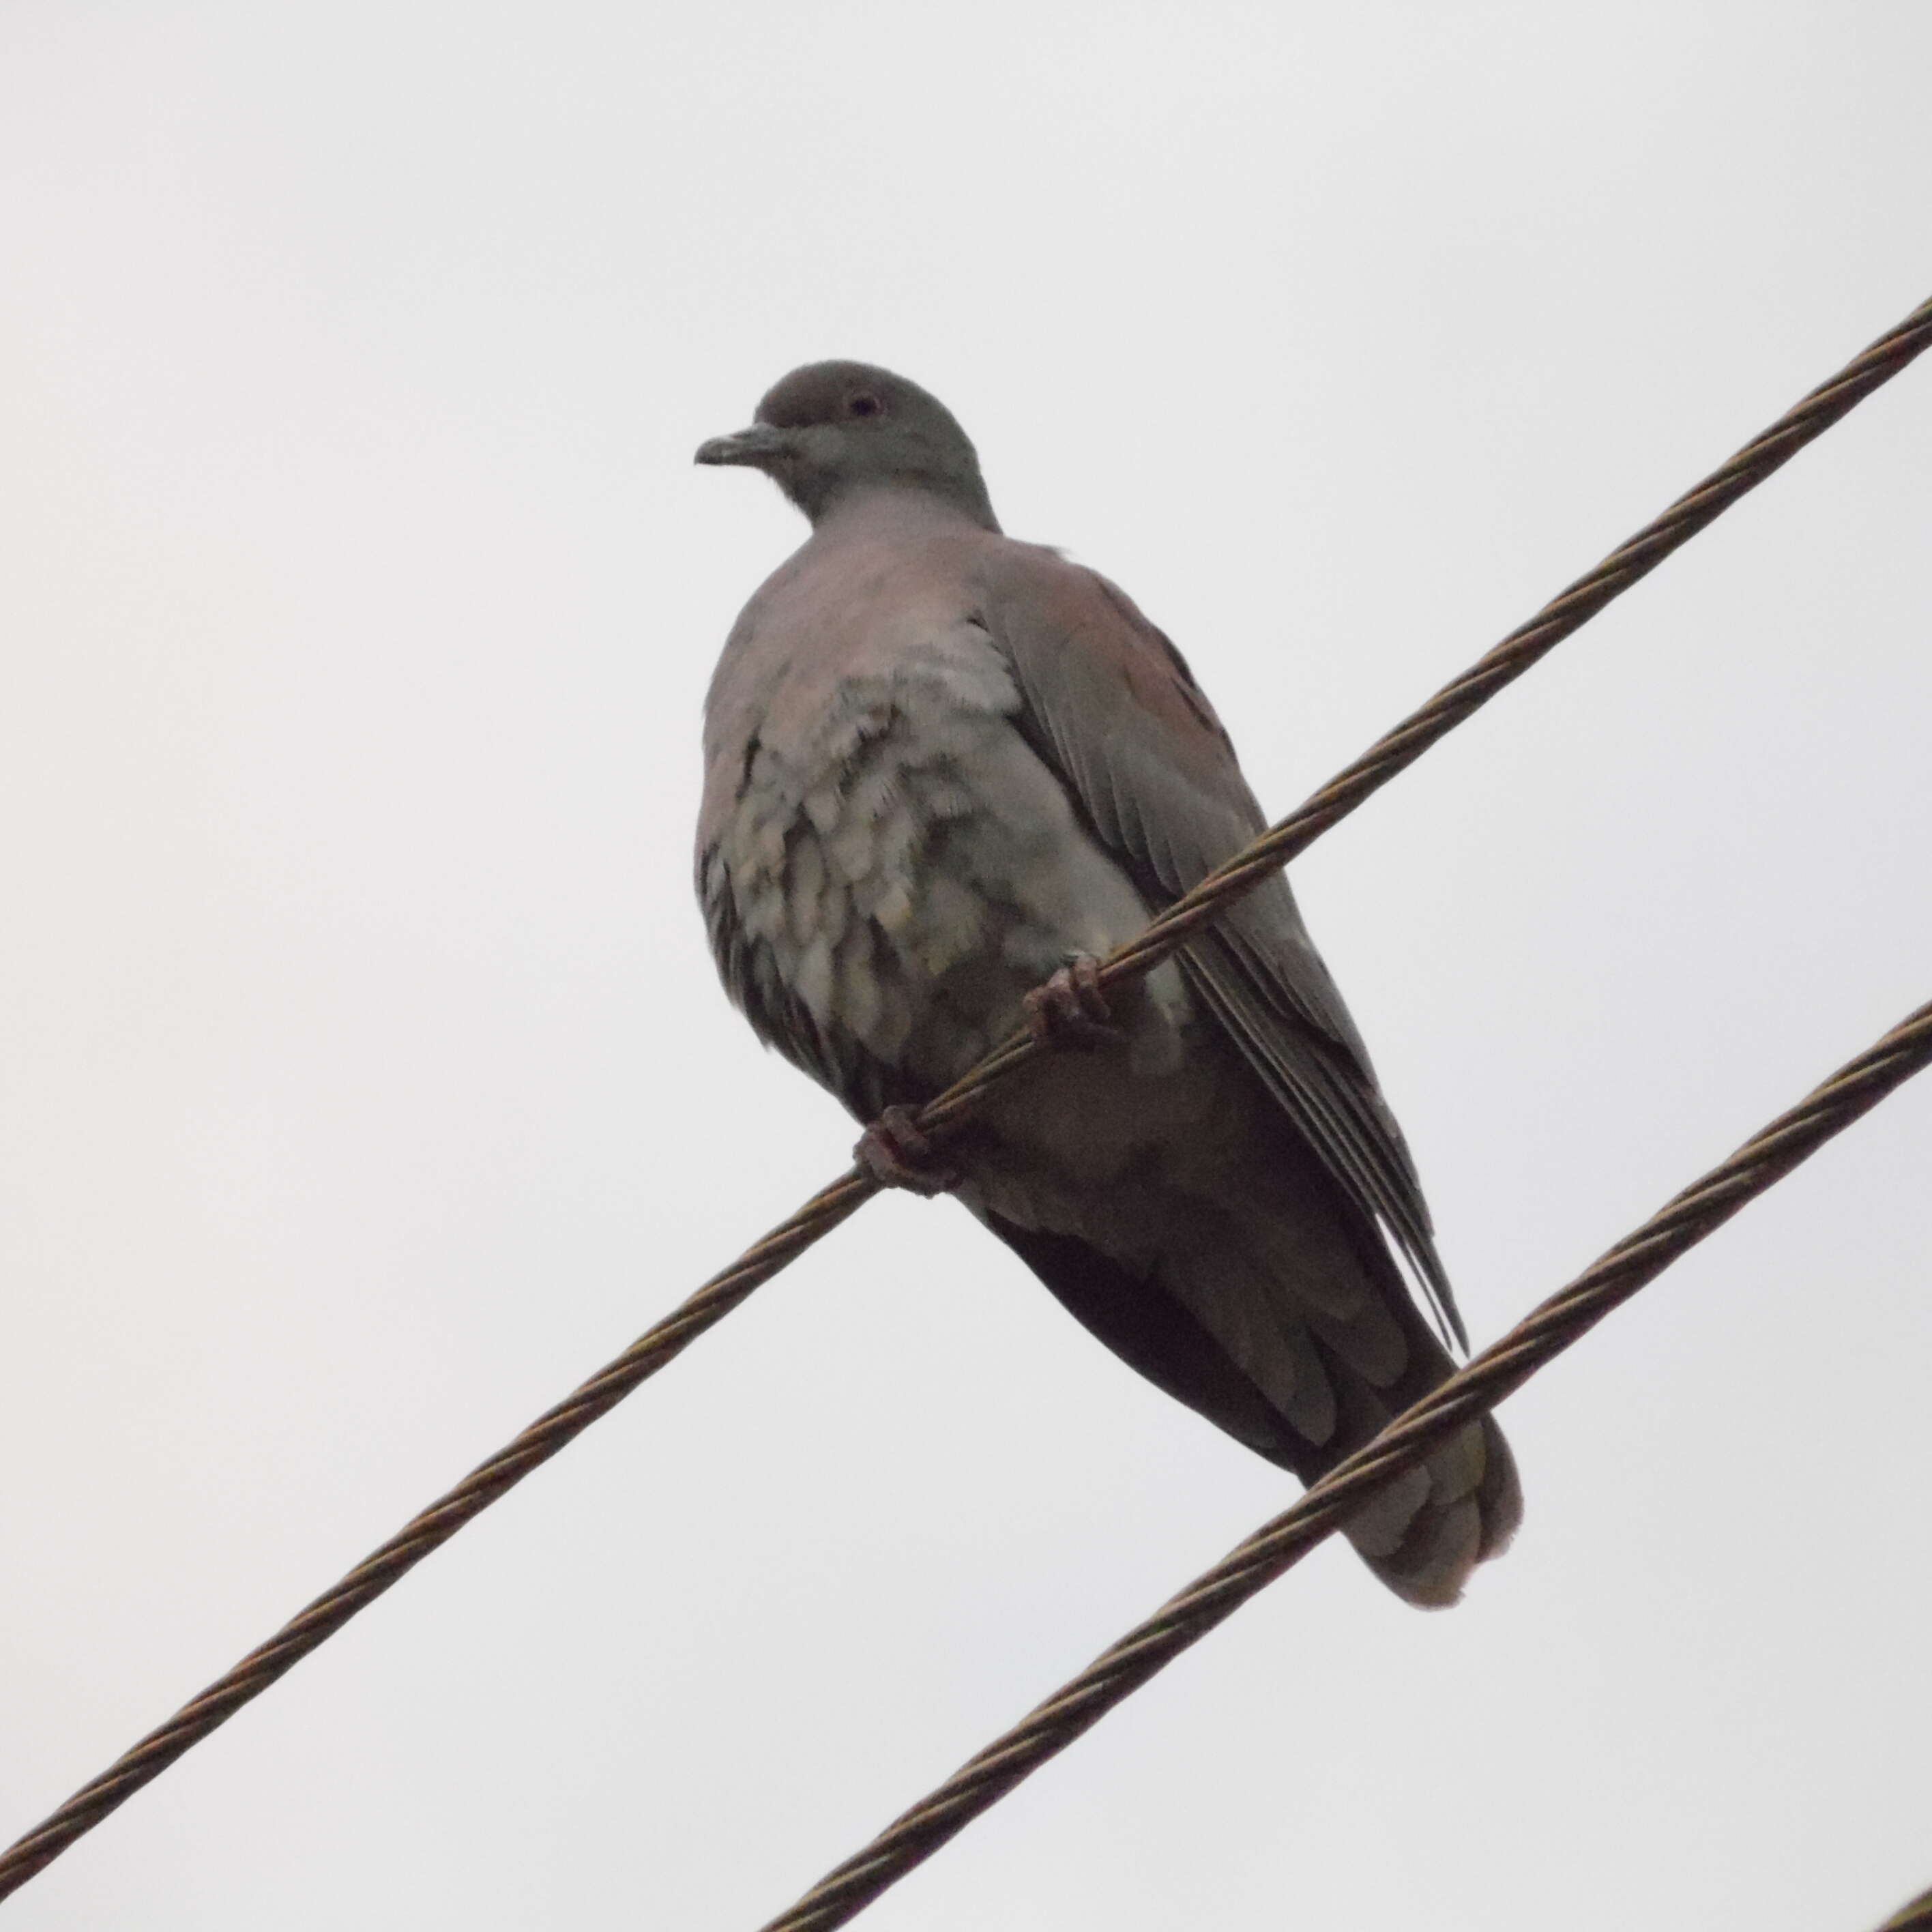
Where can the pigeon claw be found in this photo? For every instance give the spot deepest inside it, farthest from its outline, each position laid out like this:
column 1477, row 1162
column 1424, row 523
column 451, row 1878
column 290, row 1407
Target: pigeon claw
column 895, row 1154
column 1070, row 1009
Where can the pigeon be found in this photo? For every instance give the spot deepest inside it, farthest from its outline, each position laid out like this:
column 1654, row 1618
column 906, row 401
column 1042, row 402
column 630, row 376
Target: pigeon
column 945, row 771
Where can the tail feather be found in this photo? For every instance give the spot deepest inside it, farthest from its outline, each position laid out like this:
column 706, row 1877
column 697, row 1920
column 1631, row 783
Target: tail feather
column 1302, row 1387
column 1469, row 1502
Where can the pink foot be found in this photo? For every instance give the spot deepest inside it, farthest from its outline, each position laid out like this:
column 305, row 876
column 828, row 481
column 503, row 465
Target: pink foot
column 1070, row 1009
column 895, row 1153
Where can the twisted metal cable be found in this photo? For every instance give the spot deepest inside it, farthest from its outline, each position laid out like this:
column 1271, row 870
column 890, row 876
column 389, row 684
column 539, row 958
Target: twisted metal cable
column 1554, row 1326
column 1399, row 748
column 723, row 1292
column 1915, row 1915
column 429, row 1530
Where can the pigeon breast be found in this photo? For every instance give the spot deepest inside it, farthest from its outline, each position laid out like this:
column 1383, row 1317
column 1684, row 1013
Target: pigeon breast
column 893, row 867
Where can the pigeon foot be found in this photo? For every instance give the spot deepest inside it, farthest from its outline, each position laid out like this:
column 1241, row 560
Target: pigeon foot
column 1070, row 1009
column 894, row 1152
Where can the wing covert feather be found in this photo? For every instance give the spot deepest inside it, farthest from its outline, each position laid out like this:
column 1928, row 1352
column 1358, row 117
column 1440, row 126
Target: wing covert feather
column 1112, row 705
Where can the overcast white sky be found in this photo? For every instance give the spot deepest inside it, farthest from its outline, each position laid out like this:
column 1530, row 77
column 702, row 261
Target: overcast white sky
column 363, row 1082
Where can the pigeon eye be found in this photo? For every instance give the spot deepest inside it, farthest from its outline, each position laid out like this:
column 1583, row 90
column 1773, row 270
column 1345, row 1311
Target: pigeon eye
column 866, row 405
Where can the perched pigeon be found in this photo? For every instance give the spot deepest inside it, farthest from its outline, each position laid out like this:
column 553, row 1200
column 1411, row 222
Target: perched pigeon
column 943, row 771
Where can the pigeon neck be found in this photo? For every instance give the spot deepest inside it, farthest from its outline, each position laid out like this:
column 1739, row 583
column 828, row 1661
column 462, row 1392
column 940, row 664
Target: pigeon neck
column 947, row 499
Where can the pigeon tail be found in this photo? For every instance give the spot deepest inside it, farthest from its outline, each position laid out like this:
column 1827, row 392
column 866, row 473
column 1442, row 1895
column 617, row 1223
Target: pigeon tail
column 1302, row 1386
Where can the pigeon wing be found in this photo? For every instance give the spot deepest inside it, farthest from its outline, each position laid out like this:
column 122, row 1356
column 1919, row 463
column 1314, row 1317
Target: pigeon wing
column 1111, row 705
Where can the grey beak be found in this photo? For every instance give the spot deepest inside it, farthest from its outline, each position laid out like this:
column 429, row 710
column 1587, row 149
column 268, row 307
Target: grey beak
column 756, row 447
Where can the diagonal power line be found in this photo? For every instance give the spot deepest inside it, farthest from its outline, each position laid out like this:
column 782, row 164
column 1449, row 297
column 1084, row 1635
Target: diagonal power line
column 1390, row 754
column 1497, row 1371
column 1914, row 1916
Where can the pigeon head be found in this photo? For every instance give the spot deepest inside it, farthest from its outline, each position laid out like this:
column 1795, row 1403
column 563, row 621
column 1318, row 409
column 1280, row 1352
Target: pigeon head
column 833, row 431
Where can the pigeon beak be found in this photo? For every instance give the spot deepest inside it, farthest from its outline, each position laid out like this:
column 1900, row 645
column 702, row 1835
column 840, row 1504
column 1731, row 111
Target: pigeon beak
column 755, row 447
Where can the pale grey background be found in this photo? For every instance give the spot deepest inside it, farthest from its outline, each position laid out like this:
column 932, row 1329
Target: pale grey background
column 365, row 1083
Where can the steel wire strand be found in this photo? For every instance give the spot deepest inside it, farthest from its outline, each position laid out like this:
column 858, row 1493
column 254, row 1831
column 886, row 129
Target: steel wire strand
column 1915, row 1915
column 1554, row 1326
column 1390, row 754
column 1527, row 645
column 434, row 1526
